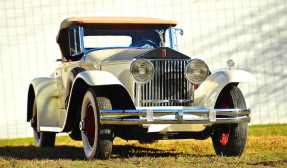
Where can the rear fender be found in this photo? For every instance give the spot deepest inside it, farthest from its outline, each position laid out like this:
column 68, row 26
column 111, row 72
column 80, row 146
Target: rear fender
column 45, row 91
column 208, row 92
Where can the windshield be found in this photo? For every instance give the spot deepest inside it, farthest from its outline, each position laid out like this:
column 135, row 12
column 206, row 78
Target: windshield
column 99, row 38
column 106, row 41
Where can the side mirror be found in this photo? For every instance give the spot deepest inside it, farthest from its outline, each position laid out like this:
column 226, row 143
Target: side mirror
column 180, row 31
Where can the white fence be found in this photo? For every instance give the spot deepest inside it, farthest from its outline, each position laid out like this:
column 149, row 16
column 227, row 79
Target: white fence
column 252, row 32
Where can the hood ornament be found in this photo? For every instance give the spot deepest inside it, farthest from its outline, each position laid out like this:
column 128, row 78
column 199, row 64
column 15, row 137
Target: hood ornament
column 160, row 32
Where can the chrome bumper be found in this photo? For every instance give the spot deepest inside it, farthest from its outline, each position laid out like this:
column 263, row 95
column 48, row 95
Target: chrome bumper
column 149, row 116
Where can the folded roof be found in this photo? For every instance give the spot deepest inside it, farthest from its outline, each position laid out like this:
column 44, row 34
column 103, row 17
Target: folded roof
column 119, row 22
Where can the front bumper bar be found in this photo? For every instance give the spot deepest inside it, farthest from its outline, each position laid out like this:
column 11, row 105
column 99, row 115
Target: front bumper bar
column 149, row 116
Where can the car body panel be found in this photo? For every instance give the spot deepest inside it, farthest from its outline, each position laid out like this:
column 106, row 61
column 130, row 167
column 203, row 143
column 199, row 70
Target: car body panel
column 207, row 93
column 122, row 73
column 102, row 54
column 46, row 95
column 97, row 78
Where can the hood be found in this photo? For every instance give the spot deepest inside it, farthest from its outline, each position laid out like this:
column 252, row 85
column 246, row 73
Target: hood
column 129, row 54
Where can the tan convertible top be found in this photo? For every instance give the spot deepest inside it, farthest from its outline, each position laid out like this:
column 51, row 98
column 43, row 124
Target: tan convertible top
column 76, row 21
column 117, row 23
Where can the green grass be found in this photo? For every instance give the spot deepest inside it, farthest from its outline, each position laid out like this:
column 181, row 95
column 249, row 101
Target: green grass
column 266, row 147
column 268, row 130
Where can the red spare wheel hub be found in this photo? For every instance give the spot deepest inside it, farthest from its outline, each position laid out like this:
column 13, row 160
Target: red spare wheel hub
column 224, row 137
column 89, row 124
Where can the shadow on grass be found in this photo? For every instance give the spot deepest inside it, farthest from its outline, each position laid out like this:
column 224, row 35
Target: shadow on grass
column 77, row 153
column 53, row 153
column 127, row 151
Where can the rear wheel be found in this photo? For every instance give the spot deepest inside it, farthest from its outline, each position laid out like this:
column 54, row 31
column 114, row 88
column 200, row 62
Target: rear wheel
column 97, row 139
column 41, row 139
column 230, row 139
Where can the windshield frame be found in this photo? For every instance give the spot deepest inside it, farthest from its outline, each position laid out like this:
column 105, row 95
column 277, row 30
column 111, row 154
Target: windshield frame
column 129, row 32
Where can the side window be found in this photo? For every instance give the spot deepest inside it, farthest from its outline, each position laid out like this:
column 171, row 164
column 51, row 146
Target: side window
column 74, row 41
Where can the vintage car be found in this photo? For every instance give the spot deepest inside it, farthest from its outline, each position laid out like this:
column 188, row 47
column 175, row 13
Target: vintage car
column 123, row 77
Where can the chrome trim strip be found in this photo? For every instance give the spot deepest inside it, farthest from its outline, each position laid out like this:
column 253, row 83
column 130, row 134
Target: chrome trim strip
column 170, row 38
column 125, row 121
column 50, row 129
column 156, row 112
column 170, row 60
column 167, row 101
column 138, row 95
column 192, row 94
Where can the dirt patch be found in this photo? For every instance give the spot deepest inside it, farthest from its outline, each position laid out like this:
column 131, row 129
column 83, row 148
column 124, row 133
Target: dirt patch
column 270, row 163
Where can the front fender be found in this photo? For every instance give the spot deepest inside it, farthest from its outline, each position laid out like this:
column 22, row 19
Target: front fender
column 104, row 83
column 207, row 93
column 98, row 78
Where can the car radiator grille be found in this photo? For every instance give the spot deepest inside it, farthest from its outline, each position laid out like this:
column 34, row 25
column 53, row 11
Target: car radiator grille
column 168, row 87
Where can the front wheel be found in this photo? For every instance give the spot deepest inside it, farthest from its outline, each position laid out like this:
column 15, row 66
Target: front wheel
column 97, row 139
column 41, row 139
column 230, row 139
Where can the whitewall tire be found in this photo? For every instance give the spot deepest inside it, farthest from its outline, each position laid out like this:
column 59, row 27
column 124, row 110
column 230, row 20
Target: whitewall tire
column 97, row 139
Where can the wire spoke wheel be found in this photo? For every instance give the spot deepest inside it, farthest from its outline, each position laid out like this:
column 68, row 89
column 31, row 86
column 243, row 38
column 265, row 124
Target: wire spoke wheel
column 230, row 139
column 224, row 129
column 89, row 129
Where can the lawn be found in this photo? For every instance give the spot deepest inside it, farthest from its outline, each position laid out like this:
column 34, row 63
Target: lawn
column 266, row 147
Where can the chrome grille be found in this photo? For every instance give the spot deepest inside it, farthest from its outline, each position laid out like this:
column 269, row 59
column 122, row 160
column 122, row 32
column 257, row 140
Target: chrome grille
column 169, row 87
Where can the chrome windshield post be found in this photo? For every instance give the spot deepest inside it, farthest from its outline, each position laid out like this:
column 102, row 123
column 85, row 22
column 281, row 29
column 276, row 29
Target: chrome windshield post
column 82, row 41
column 173, row 39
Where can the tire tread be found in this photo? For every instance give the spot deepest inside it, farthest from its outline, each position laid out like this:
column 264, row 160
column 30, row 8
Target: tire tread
column 238, row 132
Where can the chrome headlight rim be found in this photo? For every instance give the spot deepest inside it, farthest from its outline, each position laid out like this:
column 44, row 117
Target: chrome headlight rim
column 148, row 78
column 196, row 82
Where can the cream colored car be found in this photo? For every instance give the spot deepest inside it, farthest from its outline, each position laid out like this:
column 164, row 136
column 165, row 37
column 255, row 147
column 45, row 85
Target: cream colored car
column 123, row 77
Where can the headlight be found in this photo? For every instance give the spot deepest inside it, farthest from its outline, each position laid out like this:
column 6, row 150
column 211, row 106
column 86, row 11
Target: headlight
column 196, row 71
column 141, row 71
column 230, row 63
